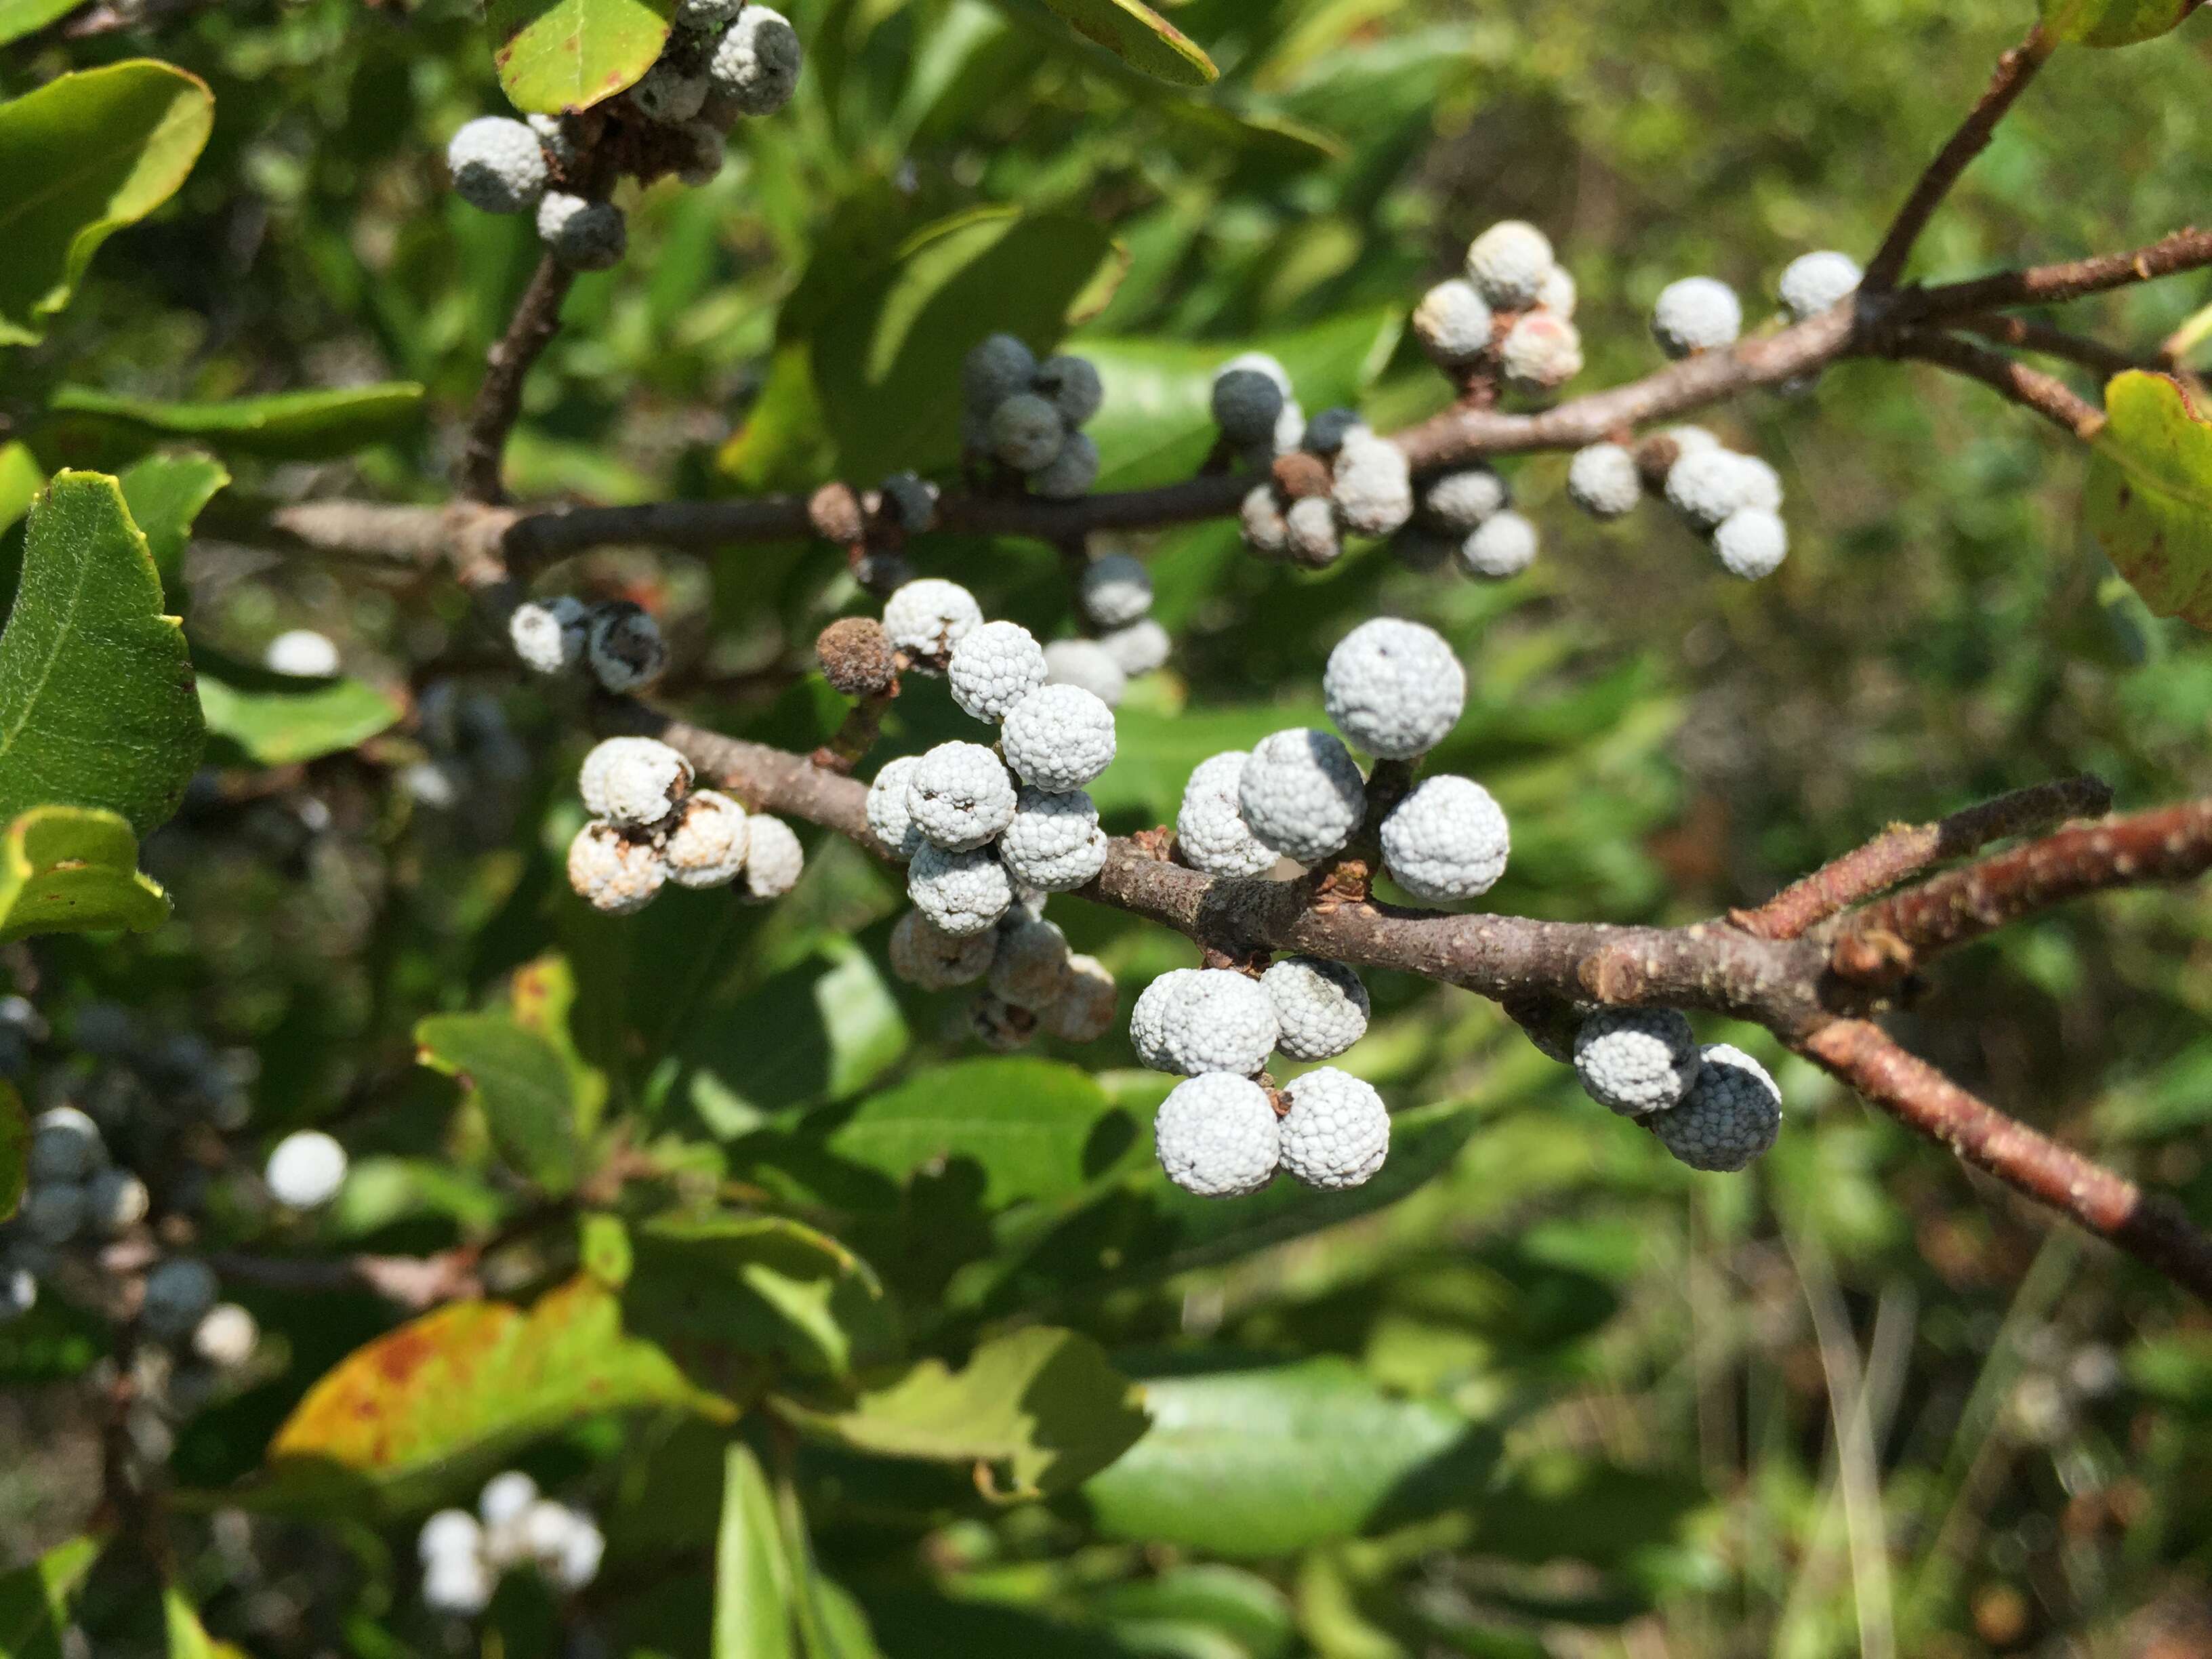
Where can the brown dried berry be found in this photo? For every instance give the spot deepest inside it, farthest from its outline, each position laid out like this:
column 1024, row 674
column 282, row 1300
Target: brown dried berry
column 1655, row 457
column 836, row 514
column 1300, row 477
column 856, row 656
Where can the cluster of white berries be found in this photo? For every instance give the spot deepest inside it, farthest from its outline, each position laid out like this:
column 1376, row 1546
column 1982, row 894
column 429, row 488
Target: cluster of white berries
column 1714, row 1108
column 1702, row 313
column 649, row 826
column 616, row 641
column 988, row 833
column 1733, row 501
column 463, row 1556
column 1328, row 477
column 1114, row 596
column 1465, row 519
column 726, row 60
column 1513, row 312
column 1030, row 415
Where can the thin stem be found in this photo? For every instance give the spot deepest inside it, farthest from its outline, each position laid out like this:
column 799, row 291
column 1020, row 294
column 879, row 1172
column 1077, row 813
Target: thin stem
column 2043, row 285
column 2024, row 334
column 499, row 400
column 2030, row 388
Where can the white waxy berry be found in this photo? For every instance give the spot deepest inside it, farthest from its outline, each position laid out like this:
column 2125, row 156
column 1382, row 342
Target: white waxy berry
column 1301, row 794
column 1217, row 1136
column 1394, row 687
column 1373, row 484
column 53, row 1212
column 448, row 1533
column 551, row 635
column 924, row 954
column 912, row 500
column 1030, row 967
column 1072, row 472
column 1084, row 1011
column 756, row 66
column 1027, row 432
column 1337, row 1132
column 1750, row 544
column 543, row 1532
column 1139, row 649
column 926, row 618
column 505, row 1498
column 960, row 796
column 992, row 668
column 302, row 654
column 1604, row 481
column 1327, row 432
column 553, row 134
column 890, row 820
column 708, row 841
column 1057, row 739
column 226, row 1336
column 498, row 164
column 1697, row 314
column 633, row 781
column 458, row 1586
column 1088, row 663
column 19, row 1291
column 1114, row 591
column 1262, row 363
column 1290, row 432
column 1073, row 385
column 1637, row 1061
column 1054, row 844
column 1454, row 324
column 1813, row 283
column 305, row 1170
column 65, row 1146
column 773, row 860
column 115, row 1200
column 706, row 16
column 624, row 648
column 581, row 234
column 1310, row 534
column 1262, row 522
column 963, row 894
column 1509, row 264
column 1246, row 405
column 1706, row 486
column 1504, row 544
column 1559, row 295
column 178, row 1292
column 1320, row 1007
column 1194, row 1020
column 613, row 871
column 1210, row 829
column 996, row 368
column 1541, row 352
column 1729, row 1117
column 1446, row 841
column 1459, row 501
column 577, row 1562
column 670, row 93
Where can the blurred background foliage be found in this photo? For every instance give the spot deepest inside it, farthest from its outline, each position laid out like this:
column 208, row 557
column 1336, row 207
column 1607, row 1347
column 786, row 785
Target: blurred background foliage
column 1539, row 1390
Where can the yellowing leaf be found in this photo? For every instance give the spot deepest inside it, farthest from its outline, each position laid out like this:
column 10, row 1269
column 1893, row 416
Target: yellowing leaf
column 74, row 870
column 556, row 55
column 2149, row 495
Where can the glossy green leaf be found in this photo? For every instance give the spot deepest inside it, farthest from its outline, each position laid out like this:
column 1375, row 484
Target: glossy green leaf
column 96, row 701
column 1140, row 37
column 556, row 55
column 74, row 870
column 165, row 494
column 20, row 17
column 80, row 158
column 2149, row 495
column 299, row 426
column 1041, row 1410
column 35, row 1599
column 2113, row 23
column 257, row 717
column 1261, row 1459
column 752, row 1579
column 521, row 1084
column 15, row 1150
column 822, row 1029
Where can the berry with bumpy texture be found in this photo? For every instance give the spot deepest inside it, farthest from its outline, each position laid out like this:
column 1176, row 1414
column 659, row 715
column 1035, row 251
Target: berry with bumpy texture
column 65, row 1146
column 1509, row 264
column 178, row 1292
column 1072, row 472
column 924, row 954
column 1030, row 967
column 1541, row 352
column 626, row 651
column 1139, row 649
column 1088, row 663
column 996, row 368
column 1707, row 486
column 1394, row 687
column 1337, row 1132
column 1059, row 737
column 1637, row 1061
column 1327, row 432
column 54, row 1211
column 890, row 820
column 1454, row 324
column 613, row 872
column 1504, row 544
column 1729, row 1117
column 1559, row 295
column 226, row 1336
column 1073, row 385
column 1301, row 794
column 1446, row 841
column 670, row 93
column 993, row 668
column 855, row 655
column 497, row 165
column 636, row 782
column 774, row 860
column 912, row 500
column 115, row 1200
column 548, row 635
column 1085, row 1010
column 1261, row 520
column 1027, row 432
column 1310, row 534
column 1462, row 502
column 1193, row 1020
column 960, row 796
column 1697, row 314
column 708, row 841
column 1373, row 487
column 1750, row 544
column 582, row 235
column 757, row 65
column 1210, row 829
column 1115, row 590
column 1604, row 481
column 963, row 894
column 1320, row 1006
column 1054, row 844
column 926, row 618
column 305, row 1170
column 1815, row 283
column 1217, row 1136
column 1246, row 404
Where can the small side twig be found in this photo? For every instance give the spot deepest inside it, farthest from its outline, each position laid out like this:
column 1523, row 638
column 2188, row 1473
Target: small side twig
column 2030, row 388
column 2024, row 334
column 413, row 1283
column 499, row 400
column 2074, row 279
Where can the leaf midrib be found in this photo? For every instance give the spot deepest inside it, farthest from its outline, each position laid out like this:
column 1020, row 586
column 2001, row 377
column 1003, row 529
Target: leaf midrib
column 68, row 181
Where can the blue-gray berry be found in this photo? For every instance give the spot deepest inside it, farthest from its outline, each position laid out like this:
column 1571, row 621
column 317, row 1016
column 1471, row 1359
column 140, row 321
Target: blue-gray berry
column 756, row 67
column 497, row 165
column 1730, row 1115
column 1637, row 1061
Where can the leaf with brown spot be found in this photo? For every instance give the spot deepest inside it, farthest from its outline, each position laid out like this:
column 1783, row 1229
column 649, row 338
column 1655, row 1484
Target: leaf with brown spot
column 2149, row 495
column 556, row 55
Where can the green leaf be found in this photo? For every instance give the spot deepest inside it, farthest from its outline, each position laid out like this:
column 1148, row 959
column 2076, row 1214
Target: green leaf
column 80, row 158
column 1042, row 1410
column 72, row 870
column 520, row 1081
column 752, row 1580
column 823, row 1030
column 21, row 480
column 19, row 17
column 35, row 1600
column 188, row 1637
column 298, row 426
column 2149, row 495
column 556, row 55
column 2113, row 23
column 15, row 1150
column 261, row 718
column 165, row 494
column 1260, row 1460
column 96, row 701
column 1141, row 38
column 424, row 1408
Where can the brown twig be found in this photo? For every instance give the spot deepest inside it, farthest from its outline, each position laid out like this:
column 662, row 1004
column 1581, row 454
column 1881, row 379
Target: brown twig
column 411, row 1282
column 2030, row 388
column 2024, row 334
column 1907, row 850
column 2040, row 285
column 499, row 400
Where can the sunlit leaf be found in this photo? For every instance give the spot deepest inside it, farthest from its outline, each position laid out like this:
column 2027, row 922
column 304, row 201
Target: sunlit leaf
column 2113, row 23
column 752, row 1580
column 35, row 1600
column 283, row 425
column 257, row 717
column 556, row 55
column 74, row 870
column 2149, row 495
